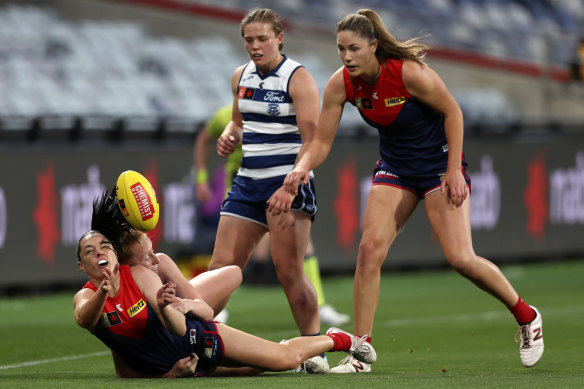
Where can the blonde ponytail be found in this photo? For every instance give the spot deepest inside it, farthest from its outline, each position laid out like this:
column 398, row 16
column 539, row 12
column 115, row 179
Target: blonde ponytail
column 368, row 25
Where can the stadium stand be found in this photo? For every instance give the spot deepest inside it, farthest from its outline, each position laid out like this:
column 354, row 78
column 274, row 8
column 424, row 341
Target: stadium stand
column 114, row 76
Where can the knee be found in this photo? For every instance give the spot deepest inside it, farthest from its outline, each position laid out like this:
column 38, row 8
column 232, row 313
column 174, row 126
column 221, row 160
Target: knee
column 291, row 359
column 218, row 262
column 463, row 264
column 370, row 256
column 234, row 273
column 288, row 275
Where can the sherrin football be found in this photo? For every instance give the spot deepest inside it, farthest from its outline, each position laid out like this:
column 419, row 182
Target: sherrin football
column 137, row 200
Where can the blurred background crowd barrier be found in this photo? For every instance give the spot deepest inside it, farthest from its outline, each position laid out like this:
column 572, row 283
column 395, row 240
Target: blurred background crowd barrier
column 94, row 87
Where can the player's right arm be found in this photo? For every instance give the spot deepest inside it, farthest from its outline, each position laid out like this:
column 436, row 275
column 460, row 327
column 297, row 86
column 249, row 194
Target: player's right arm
column 233, row 133
column 334, row 98
column 88, row 304
column 201, row 156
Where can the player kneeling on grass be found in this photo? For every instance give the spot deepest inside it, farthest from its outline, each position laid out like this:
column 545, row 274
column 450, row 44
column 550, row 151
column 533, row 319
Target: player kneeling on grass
column 154, row 331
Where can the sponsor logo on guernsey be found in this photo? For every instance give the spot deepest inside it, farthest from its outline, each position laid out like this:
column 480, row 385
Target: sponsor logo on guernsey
column 274, row 97
column 136, row 308
column 109, row 319
column 363, row 103
column 390, row 102
column 193, row 336
column 246, row 93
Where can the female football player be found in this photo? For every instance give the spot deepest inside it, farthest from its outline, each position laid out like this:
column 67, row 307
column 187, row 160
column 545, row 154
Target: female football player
column 134, row 247
column 145, row 323
column 421, row 134
column 275, row 109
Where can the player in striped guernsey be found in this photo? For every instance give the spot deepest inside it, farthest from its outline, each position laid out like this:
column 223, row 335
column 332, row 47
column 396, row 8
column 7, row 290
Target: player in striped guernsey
column 275, row 109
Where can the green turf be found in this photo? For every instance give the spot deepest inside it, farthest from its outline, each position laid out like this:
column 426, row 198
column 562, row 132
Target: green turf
column 433, row 330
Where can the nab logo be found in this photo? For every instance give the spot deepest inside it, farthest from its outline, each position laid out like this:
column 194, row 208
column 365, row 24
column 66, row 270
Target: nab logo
column 246, row 93
column 136, row 308
column 394, row 101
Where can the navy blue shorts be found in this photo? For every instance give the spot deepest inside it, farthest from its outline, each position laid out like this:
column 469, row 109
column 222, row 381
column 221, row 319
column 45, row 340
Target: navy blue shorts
column 206, row 343
column 248, row 198
column 421, row 185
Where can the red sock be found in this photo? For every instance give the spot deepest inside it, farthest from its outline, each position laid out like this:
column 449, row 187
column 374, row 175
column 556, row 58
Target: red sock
column 368, row 340
column 342, row 342
column 522, row 312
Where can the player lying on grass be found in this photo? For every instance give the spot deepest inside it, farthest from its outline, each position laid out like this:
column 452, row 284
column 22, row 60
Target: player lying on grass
column 145, row 323
column 134, row 247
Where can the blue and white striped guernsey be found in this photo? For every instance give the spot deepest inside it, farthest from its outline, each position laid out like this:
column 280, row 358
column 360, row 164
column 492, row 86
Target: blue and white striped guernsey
column 271, row 139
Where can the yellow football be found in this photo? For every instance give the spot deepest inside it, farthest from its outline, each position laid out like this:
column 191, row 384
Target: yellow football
column 137, row 200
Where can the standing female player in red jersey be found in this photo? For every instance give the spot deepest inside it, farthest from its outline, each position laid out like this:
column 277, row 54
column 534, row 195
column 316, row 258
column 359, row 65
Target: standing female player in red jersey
column 421, row 134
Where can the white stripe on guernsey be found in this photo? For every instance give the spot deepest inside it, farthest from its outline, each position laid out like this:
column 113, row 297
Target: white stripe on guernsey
column 260, row 149
column 261, row 107
column 44, row 361
column 269, row 128
column 259, row 174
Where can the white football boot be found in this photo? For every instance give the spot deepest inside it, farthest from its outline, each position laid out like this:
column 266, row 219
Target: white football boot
column 360, row 349
column 316, row 365
column 350, row 365
column 530, row 336
column 329, row 315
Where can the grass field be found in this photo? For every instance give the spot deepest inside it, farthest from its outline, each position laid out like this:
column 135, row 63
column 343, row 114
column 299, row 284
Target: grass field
column 433, row 330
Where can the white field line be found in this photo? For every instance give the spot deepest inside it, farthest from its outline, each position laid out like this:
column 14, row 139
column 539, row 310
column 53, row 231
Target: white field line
column 43, row 361
column 462, row 318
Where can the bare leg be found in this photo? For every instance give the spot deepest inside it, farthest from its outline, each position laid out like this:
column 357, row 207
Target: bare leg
column 388, row 209
column 452, row 226
column 243, row 349
column 214, row 286
column 234, row 243
column 289, row 234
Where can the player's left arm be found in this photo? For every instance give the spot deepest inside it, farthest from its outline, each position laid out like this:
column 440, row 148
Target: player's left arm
column 425, row 85
column 306, row 101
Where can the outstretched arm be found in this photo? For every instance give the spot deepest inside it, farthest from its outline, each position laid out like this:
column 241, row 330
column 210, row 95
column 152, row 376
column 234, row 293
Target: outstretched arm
column 328, row 122
column 88, row 304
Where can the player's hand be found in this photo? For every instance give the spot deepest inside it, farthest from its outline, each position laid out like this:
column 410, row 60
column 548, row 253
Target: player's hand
column 166, row 294
column 280, row 201
column 294, row 179
column 454, row 187
column 203, row 192
column 105, row 285
column 184, row 367
column 226, row 144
